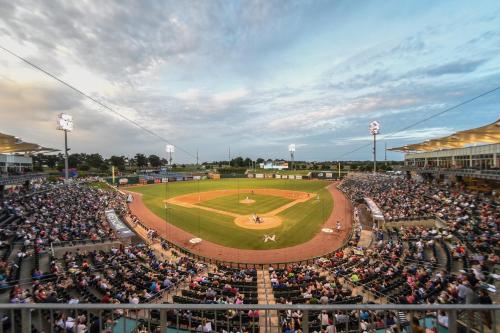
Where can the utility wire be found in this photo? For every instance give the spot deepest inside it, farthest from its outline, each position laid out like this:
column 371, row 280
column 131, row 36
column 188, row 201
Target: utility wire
column 135, row 123
column 428, row 118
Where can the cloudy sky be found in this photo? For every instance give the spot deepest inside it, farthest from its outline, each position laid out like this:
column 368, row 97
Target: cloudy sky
column 255, row 75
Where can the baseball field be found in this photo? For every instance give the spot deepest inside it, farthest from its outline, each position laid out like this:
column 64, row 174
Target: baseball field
column 240, row 213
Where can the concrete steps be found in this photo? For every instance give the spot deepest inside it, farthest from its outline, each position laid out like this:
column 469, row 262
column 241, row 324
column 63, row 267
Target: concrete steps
column 269, row 322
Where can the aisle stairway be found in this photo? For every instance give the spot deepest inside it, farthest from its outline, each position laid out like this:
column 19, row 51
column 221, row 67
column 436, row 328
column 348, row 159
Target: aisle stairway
column 269, row 323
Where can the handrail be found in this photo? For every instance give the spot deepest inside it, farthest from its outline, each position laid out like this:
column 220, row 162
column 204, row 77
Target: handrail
column 309, row 307
column 265, row 285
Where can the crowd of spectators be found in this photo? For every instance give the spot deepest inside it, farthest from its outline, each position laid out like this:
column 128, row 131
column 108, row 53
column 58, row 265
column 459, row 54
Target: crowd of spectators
column 63, row 213
column 223, row 286
column 472, row 216
column 449, row 262
column 406, row 264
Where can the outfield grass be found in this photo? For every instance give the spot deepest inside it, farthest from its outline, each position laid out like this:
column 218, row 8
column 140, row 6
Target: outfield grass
column 300, row 222
column 231, row 203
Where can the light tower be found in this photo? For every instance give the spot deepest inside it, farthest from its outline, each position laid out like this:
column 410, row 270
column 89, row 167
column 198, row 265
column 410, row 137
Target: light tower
column 65, row 123
column 291, row 149
column 170, row 149
column 374, row 130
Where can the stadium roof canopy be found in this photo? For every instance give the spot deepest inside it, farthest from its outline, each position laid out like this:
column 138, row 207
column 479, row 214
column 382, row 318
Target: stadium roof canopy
column 13, row 144
column 481, row 135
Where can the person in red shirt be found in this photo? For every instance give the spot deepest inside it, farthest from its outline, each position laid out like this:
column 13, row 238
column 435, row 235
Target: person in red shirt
column 106, row 299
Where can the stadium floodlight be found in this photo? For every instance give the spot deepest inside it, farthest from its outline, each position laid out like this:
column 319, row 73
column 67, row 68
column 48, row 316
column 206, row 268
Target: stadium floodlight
column 170, row 149
column 65, row 123
column 374, row 130
column 374, row 127
column 291, row 149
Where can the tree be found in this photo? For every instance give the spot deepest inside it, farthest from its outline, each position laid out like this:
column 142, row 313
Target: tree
column 141, row 160
column 52, row 160
column 154, row 161
column 118, row 162
column 74, row 160
column 237, row 162
column 94, row 160
column 247, row 162
column 260, row 160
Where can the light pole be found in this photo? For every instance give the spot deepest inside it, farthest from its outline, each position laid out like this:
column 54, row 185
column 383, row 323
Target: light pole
column 291, row 149
column 170, row 149
column 65, row 123
column 374, row 130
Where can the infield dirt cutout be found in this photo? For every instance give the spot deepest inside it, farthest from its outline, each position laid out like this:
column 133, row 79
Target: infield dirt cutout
column 269, row 219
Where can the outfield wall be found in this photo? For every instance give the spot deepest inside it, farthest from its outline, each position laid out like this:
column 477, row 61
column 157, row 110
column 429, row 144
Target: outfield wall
column 324, row 175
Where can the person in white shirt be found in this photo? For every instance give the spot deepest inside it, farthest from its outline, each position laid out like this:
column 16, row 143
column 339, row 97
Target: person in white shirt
column 323, row 317
column 81, row 327
column 74, row 300
column 207, row 327
column 134, row 299
column 443, row 319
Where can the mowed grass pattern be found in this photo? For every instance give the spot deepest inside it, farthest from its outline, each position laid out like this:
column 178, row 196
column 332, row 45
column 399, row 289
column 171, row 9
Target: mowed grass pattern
column 231, row 203
column 301, row 222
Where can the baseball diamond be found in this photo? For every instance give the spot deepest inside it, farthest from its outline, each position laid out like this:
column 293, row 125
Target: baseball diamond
column 294, row 211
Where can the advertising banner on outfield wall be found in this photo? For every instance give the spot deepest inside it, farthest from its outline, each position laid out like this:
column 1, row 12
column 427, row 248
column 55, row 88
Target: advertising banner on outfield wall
column 298, row 177
column 323, row 175
column 277, row 176
column 259, row 175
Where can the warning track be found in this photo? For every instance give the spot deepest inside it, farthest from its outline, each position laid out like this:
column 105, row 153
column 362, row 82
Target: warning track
column 319, row 245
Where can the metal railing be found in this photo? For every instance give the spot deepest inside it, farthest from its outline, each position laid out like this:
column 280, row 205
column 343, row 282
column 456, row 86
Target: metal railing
column 145, row 318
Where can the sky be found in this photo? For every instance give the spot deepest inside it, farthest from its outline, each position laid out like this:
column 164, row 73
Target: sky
column 252, row 75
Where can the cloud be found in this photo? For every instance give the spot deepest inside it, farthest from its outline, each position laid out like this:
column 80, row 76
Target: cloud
column 456, row 67
column 413, row 134
column 257, row 74
column 230, row 96
column 33, row 101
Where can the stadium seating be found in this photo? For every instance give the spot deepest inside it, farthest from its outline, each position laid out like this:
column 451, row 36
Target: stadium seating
column 406, row 263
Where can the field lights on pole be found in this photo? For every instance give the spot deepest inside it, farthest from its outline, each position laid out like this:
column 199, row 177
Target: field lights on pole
column 170, row 149
column 374, row 130
column 291, row 149
column 65, row 123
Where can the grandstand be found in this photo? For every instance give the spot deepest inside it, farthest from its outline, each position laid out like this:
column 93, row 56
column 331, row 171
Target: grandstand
column 175, row 205
column 472, row 154
column 418, row 243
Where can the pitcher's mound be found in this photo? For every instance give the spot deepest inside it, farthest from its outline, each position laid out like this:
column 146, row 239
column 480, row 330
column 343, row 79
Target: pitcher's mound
column 268, row 222
column 247, row 201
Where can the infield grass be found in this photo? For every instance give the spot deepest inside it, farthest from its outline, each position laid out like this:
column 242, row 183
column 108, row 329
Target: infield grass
column 300, row 222
column 231, row 203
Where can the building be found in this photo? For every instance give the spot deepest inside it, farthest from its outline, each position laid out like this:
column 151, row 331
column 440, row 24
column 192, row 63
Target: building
column 473, row 153
column 15, row 163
